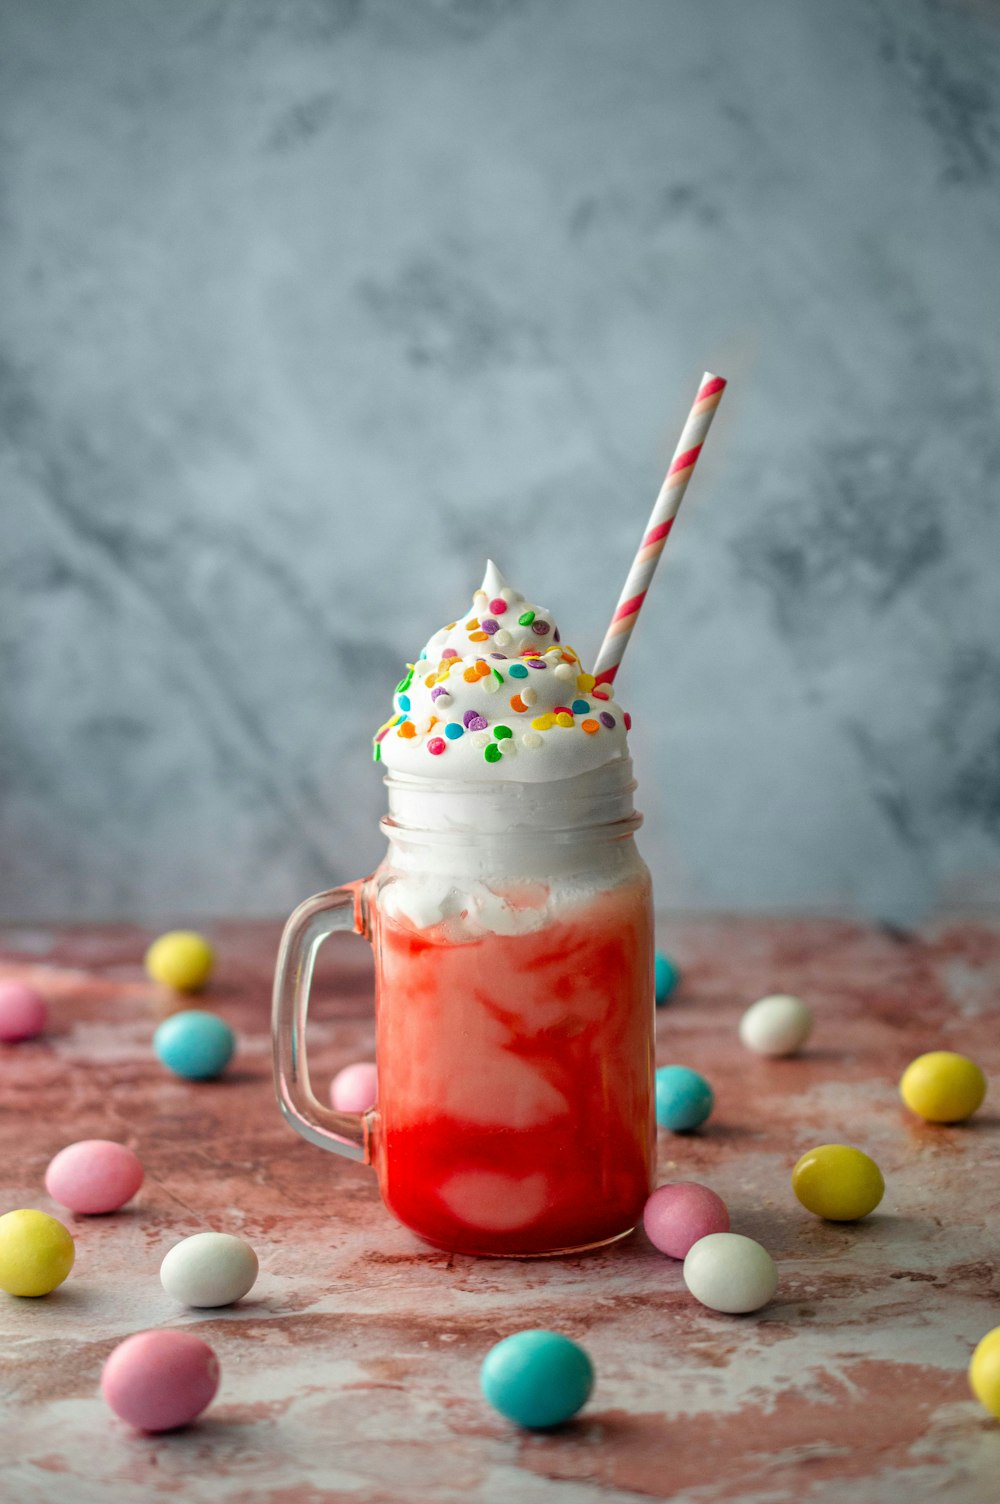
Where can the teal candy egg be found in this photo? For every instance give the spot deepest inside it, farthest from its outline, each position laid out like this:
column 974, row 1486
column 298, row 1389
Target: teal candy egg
column 195, row 1044
column 536, row 1378
column 667, row 976
column 683, row 1098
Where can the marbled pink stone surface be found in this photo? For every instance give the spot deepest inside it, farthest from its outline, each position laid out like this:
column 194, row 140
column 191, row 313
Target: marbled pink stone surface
column 351, row 1372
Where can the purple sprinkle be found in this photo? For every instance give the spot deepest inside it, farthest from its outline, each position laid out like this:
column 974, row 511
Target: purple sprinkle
column 437, row 691
column 555, row 636
column 501, row 656
column 474, row 721
column 489, row 625
column 469, row 717
column 541, row 627
column 534, row 662
column 607, row 720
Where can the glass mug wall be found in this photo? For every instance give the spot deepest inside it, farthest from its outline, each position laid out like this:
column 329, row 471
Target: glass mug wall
column 513, row 938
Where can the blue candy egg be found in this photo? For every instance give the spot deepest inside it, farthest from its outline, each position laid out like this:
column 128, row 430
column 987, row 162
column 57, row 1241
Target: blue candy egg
column 683, row 1098
column 194, row 1044
column 667, row 977
column 537, row 1378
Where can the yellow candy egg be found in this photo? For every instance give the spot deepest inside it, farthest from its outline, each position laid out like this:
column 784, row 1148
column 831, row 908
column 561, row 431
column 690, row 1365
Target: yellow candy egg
column 838, row 1183
column 943, row 1087
column 36, row 1253
column 984, row 1372
column 181, row 959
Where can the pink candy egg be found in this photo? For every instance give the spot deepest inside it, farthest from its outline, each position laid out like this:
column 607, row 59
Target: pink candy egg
column 355, row 1088
column 23, row 1012
column 158, row 1381
column 679, row 1214
column 95, row 1175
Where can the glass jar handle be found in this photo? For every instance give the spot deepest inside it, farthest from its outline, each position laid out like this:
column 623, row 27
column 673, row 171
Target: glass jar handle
column 347, row 1133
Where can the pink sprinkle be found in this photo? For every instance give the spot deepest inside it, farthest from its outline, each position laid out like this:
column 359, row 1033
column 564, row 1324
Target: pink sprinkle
column 562, row 710
column 436, row 745
column 449, row 653
column 499, row 606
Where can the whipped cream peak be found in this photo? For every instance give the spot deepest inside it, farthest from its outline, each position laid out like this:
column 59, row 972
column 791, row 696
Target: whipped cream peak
column 498, row 694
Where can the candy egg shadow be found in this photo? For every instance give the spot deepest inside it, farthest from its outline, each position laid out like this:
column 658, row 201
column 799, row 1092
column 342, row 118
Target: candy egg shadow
column 81, row 1219
column 69, row 1295
column 921, row 1128
column 574, row 1429
column 712, row 1128
column 204, row 1427
column 822, row 1054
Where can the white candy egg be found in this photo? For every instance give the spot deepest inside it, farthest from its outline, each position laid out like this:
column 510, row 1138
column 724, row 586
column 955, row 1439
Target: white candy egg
column 778, row 1025
column 209, row 1269
column 731, row 1273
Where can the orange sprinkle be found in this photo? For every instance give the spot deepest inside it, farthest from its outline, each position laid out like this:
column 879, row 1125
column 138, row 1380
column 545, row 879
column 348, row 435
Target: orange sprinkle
column 407, row 729
column 479, row 636
column 591, row 726
column 470, row 626
column 470, row 676
column 430, row 680
column 516, row 703
column 482, row 669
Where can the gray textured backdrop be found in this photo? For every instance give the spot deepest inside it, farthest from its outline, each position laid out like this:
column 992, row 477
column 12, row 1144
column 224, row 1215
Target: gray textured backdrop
column 307, row 305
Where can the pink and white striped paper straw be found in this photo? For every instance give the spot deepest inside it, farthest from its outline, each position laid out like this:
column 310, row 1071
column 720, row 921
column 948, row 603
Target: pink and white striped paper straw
column 658, row 527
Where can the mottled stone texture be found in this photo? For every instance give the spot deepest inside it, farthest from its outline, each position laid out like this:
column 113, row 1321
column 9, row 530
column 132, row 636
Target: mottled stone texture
column 350, row 1374
column 307, row 305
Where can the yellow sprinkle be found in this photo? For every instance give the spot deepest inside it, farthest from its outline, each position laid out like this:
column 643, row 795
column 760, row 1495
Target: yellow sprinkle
column 545, row 722
column 585, row 683
column 562, row 719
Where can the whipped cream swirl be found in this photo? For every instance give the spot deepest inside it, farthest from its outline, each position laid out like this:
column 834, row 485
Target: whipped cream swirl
column 498, row 694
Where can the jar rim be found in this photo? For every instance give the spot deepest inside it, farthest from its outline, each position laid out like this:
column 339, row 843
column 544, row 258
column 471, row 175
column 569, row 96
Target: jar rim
column 597, row 802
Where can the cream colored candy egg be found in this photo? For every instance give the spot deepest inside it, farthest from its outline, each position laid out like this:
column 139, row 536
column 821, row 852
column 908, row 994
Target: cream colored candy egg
column 777, row 1025
column 209, row 1269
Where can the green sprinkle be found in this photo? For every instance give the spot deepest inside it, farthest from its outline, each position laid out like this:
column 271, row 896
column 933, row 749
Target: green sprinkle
column 502, row 733
column 492, row 753
column 526, row 619
column 498, row 676
column 405, row 682
column 377, row 752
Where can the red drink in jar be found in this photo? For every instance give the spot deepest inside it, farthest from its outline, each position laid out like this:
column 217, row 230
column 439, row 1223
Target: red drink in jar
column 512, row 927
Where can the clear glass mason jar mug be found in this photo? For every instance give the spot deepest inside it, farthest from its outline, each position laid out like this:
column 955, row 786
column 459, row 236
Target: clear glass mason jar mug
column 513, row 938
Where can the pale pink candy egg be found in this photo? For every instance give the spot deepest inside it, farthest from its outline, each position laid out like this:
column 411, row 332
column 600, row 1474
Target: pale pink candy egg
column 355, row 1088
column 680, row 1213
column 96, row 1175
column 158, row 1381
column 23, row 1012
